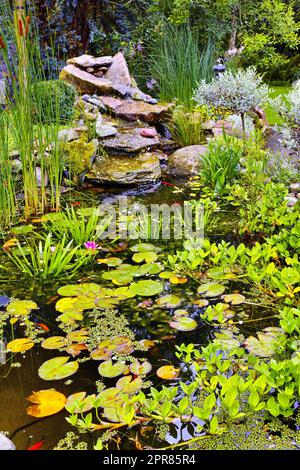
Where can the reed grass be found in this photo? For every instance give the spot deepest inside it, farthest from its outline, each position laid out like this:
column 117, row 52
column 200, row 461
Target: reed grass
column 177, row 62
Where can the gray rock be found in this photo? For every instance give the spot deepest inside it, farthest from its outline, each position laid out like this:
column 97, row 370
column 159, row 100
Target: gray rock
column 87, row 61
column 130, row 141
column 85, row 82
column 106, row 131
column 93, row 101
column 67, row 135
column 291, row 200
column 295, row 187
column 118, row 73
column 2, row 92
column 186, row 161
column 126, row 170
column 5, row 443
column 133, row 110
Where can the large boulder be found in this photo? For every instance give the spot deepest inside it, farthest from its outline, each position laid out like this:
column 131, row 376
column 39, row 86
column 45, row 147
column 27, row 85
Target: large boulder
column 125, row 170
column 186, row 161
column 118, row 72
column 130, row 141
column 137, row 110
column 85, row 82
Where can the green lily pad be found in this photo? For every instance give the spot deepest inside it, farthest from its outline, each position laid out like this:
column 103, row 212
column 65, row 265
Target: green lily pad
column 266, row 343
column 111, row 414
column 54, row 342
column 145, row 288
column 234, row 299
column 169, row 301
column 211, row 289
column 128, row 385
column 109, row 369
column 79, row 402
column 84, row 290
column 180, row 313
column 143, row 247
column 112, row 261
column 184, row 324
column 137, row 368
column 57, row 368
column 220, row 273
column 21, row 307
column 109, row 397
column 147, row 256
column 70, row 316
column 201, row 303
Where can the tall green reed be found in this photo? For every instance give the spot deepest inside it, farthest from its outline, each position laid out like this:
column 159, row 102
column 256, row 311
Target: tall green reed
column 8, row 199
column 36, row 143
column 177, row 62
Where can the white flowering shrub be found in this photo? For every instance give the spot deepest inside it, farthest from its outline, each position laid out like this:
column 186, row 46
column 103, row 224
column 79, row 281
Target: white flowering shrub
column 238, row 92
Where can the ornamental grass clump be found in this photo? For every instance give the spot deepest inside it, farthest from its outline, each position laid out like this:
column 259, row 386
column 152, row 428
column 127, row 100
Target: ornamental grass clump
column 237, row 92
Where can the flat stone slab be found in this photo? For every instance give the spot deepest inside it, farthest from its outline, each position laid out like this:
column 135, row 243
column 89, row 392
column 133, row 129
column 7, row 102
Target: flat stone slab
column 130, row 141
column 87, row 61
column 85, row 82
column 137, row 110
column 125, row 170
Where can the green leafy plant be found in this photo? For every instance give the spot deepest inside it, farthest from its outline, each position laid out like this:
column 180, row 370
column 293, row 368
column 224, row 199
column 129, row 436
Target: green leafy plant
column 220, row 163
column 187, row 126
column 81, row 225
column 46, row 259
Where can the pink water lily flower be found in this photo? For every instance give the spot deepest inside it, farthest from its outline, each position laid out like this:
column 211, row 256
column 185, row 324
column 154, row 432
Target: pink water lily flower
column 91, row 245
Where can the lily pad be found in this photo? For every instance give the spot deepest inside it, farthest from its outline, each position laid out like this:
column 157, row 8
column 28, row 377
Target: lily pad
column 220, row 273
column 137, row 368
column 147, row 256
column 201, row 303
column 184, row 324
column 58, row 368
column 169, row 301
column 211, row 289
column 21, row 307
column 46, row 403
column 168, row 372
column 78, row 336
column 85, row 290
column 112, row 261
column 70, row 317
column 145, row 288
column 266, row 343
column 234, row 299
column 109, row 369
column 54, row 342
column 20, row 345
column 129, row 385
column 143, row 247
column 79, row 402
column 109, row 397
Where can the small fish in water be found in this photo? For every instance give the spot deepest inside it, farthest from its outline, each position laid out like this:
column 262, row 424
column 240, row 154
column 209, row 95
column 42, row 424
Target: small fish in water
column 165, row 183
column 43, row 326
column 36, row 446
column 76, row 203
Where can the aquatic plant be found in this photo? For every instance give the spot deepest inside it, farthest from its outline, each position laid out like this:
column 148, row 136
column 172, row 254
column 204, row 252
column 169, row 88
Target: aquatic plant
column 81, row 225
column 220, row 164
column 186, row 127
column 46, row 259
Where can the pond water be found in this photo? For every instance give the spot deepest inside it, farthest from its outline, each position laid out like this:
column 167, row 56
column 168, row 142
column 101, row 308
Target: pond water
column 17, row 383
